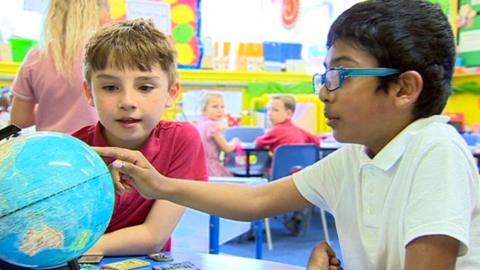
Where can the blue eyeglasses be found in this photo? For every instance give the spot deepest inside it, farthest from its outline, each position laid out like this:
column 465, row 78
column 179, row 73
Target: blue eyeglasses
column 334, row 78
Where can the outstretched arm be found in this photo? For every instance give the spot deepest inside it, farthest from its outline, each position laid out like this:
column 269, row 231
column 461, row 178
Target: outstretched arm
column 225, row 146
column 227, row 200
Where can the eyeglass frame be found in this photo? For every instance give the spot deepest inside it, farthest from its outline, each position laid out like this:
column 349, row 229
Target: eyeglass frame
column 319, row 80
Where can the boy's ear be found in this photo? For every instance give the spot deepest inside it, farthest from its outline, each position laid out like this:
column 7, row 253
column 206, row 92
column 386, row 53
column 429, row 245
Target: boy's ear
column 87, row 90
column 289, row 114
column 408, row 88
column 173, row 93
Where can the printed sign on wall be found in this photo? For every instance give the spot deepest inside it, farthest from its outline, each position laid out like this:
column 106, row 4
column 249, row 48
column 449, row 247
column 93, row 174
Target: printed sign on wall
column 183, row 15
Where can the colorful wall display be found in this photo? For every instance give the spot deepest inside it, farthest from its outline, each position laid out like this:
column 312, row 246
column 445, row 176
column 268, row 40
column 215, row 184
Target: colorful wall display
column 290, row 12
column 468, row 22
column 185, row 28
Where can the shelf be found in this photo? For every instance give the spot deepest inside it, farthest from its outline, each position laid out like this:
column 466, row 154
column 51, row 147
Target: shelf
column 188, row 76
column 195, row 75
column 229, row 78
column 8, row 70
column 466, row 77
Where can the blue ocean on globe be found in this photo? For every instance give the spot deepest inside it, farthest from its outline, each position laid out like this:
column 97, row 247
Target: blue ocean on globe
column 56, row 199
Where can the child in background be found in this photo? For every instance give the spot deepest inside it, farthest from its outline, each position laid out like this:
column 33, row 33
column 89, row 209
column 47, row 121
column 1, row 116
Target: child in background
column 404, row 190
column 280, row 112
column 130, row 83
column 47, row 91
column 211, row 132
column 5, row 101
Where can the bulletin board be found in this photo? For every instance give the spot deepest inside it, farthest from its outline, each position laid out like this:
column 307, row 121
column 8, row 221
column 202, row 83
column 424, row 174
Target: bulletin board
column 469, row 32
column 184, row 31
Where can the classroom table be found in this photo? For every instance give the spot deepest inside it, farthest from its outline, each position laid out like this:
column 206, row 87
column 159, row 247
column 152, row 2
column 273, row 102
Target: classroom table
column 214, row 246
column 249, row 149
column 211, row 262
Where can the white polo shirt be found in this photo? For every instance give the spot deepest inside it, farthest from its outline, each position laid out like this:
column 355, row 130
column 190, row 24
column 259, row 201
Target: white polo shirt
column 424, row 182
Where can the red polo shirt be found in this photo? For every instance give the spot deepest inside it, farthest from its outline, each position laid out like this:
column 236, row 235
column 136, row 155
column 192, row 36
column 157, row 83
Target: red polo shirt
column 285, row 133
column 174, row 149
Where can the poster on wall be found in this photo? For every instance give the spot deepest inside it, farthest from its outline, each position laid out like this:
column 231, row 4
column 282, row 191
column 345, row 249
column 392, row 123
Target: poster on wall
column 468, row 22
column 158, row 12
column 180, row 19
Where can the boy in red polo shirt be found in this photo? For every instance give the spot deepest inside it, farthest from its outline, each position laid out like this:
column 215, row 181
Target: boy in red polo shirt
column 130, row 78
column 280, row 112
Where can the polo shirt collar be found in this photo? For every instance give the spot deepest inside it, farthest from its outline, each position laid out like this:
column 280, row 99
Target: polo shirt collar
column 393, row 151
column 287, row 122
column 98, row 137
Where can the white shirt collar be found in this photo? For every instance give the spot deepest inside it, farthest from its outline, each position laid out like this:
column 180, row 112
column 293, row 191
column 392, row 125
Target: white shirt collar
column 394, row 150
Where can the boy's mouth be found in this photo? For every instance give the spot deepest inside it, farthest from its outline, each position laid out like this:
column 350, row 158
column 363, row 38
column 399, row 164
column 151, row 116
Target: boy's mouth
column 128, row 120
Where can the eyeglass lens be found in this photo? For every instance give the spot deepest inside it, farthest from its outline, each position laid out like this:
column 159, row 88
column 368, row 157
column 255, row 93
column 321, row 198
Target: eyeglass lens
column 332, row 79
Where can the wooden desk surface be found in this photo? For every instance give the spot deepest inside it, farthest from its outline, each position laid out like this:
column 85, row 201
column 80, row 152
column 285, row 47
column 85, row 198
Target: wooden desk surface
column 213, row 262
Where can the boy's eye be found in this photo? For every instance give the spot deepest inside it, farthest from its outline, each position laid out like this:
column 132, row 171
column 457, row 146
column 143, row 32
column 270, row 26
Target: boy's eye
column 146, row 87
column 109, row 87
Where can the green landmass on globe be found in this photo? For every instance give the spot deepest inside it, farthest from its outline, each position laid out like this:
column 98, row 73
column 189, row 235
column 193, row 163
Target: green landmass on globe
column 56, row 199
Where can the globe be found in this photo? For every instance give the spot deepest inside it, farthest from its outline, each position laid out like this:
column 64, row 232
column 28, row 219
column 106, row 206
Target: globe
column 56, row 199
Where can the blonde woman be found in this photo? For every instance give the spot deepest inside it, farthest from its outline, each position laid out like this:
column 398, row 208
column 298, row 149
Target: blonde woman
column 47, row 91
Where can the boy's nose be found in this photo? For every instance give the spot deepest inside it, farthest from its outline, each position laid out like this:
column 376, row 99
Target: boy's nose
column 324, row 95
column 127, row 101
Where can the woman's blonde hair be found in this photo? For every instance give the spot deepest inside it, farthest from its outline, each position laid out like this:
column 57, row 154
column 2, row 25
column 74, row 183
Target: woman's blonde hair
column 68, row 26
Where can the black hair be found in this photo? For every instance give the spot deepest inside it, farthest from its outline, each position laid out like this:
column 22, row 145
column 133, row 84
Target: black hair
column 406, row 35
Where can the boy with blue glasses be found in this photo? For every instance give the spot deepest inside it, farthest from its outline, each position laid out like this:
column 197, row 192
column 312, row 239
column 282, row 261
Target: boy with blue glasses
column 404, row 190
column 333, row 78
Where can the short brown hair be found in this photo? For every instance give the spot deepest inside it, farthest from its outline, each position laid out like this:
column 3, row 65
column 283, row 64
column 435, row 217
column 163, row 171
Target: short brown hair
column 130, row 44
column 287, row 100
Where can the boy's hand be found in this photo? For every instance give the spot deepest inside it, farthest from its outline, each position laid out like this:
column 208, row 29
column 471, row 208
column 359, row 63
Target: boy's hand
column 132, row 167
column 323, row 258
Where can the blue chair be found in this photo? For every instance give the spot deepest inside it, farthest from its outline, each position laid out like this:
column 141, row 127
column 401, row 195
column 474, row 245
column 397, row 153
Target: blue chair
column 259, row 160
column 245, row 134
column 290, row 158
column 471, row 138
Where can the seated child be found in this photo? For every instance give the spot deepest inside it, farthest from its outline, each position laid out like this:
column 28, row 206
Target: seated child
column 280, row 112
column 211, row 133
column 130, row 77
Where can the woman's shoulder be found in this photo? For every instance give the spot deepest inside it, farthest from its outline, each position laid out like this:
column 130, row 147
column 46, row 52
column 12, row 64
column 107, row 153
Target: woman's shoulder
column 36, row 58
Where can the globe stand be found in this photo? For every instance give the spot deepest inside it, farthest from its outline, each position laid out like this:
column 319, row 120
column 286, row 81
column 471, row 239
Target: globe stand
column 71, row 265
column 9, row 131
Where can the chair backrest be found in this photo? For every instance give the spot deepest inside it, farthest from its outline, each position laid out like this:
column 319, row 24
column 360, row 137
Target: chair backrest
column 245, row 134
column 471, row 138
column 289, row 158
